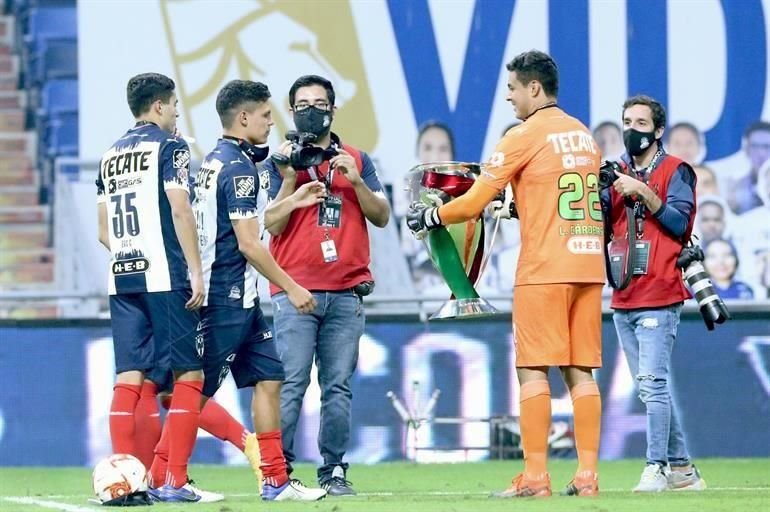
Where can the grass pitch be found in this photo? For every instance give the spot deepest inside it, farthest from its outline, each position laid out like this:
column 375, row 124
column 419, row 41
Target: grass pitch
column 734, row 484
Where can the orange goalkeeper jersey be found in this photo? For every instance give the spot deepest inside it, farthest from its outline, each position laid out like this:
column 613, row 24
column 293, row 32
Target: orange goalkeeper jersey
column 552, row 163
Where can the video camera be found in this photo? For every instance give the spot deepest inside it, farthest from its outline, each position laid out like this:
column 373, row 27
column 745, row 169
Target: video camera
column 607, row 174
column 712, row 308
column 303, row 153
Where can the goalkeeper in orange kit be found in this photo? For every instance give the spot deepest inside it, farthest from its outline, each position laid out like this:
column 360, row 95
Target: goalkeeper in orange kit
column 551, row 163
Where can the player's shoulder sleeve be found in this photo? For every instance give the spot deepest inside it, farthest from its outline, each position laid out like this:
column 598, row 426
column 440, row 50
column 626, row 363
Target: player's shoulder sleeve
column 270, row 179
column 369, row 174
column 508, row 158
column 239, row 184
column 174, row 164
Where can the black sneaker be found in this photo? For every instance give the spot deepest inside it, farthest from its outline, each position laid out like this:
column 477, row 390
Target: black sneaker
column 337, row 485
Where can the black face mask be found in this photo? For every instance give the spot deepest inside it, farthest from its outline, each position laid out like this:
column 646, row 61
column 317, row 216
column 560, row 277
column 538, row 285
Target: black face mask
column 637, row 142
column 255, row 153
column 313, row 120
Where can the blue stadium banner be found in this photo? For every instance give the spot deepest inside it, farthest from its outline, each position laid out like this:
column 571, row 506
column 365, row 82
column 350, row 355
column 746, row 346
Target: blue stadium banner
column 57, row 385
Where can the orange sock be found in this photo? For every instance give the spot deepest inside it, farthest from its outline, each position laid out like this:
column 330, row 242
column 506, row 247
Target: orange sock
column 147, row 423
column 535, row 425
column 122, row 418
column 587, row 406
column 219, row 423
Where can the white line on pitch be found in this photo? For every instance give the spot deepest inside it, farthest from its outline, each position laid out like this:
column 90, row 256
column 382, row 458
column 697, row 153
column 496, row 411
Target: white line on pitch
column 486, row 493
column 48, row 504
column 75, row 508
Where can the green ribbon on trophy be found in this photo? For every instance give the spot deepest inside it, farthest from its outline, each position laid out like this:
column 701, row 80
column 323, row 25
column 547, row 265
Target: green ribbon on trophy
column 457, row 251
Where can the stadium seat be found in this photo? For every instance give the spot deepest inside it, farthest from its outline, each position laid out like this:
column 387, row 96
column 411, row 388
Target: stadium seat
column 51, row 23
column 38, row 28
column 58, row 97
column 62, row 136
column 56, row 59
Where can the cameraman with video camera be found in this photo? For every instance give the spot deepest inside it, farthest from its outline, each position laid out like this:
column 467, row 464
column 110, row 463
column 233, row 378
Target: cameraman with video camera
column 325, row 249
column 658, row 191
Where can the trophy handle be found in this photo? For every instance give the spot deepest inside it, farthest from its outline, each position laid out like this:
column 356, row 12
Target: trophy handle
column 488, row 252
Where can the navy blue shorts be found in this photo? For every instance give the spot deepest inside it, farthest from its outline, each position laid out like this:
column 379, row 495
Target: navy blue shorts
column 238, row 340
column 162, row 376
column 150, row 330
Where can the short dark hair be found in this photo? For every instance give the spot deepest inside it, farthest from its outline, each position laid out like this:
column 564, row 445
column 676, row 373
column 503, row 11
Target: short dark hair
column 145, row 89
column 685, row 125
column 715, row 200
column 658, row 112
column 234, row 94
column 308, row 80
column 756, row 126
column 536, row 65
column 607, row 124
column 427, row 125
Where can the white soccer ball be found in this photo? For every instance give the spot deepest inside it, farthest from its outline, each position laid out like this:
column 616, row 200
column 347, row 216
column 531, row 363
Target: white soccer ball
column 117, row 476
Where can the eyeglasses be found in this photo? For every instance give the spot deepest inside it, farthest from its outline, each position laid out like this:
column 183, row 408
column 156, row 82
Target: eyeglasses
column 323, row 105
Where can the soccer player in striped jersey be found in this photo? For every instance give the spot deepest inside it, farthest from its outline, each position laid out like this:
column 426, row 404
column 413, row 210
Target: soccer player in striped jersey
column 238, row 339
column 156, row 283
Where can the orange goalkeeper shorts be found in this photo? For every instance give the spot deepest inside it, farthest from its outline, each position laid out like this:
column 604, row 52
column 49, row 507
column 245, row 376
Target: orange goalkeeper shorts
column 558, row 325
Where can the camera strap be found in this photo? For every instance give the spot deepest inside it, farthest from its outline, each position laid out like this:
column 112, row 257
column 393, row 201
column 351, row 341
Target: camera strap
column 619, row 255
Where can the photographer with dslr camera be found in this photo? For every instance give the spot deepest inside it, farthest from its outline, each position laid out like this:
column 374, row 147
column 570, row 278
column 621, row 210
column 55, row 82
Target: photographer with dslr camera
column 325, row 249
column 658, row 191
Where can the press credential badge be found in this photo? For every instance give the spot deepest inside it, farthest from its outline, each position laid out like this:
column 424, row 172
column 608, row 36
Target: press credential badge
column 329, row 251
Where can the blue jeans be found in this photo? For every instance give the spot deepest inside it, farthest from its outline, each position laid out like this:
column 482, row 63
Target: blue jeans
column 647, row 337
column 330, row 334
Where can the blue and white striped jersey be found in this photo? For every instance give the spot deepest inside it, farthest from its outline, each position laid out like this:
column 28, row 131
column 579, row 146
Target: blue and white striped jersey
column 133, row 177
column 226, row 189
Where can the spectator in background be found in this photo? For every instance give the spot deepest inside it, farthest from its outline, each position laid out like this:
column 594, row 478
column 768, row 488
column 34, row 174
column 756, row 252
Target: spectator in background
column 751, row 235
column 707, row 181
column 710, row 221
column 763, row 263
column 609, row 137
column 685, row 141
column 742, row 194
column 435, row 142
column 722, row 264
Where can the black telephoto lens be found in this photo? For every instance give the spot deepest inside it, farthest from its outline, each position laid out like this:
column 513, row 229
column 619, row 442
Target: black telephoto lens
column 712, row 308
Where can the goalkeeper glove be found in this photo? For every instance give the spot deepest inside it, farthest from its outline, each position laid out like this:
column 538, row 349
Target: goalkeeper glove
column 420, row 218
column 503, row 207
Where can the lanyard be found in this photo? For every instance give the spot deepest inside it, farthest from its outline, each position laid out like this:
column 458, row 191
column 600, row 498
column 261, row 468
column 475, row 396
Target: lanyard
column 325, row 179
column 644, row 176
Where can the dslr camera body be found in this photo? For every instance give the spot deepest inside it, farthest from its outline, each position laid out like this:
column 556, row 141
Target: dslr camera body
column 303, row 153
column 712, row 308
column 607, row 174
